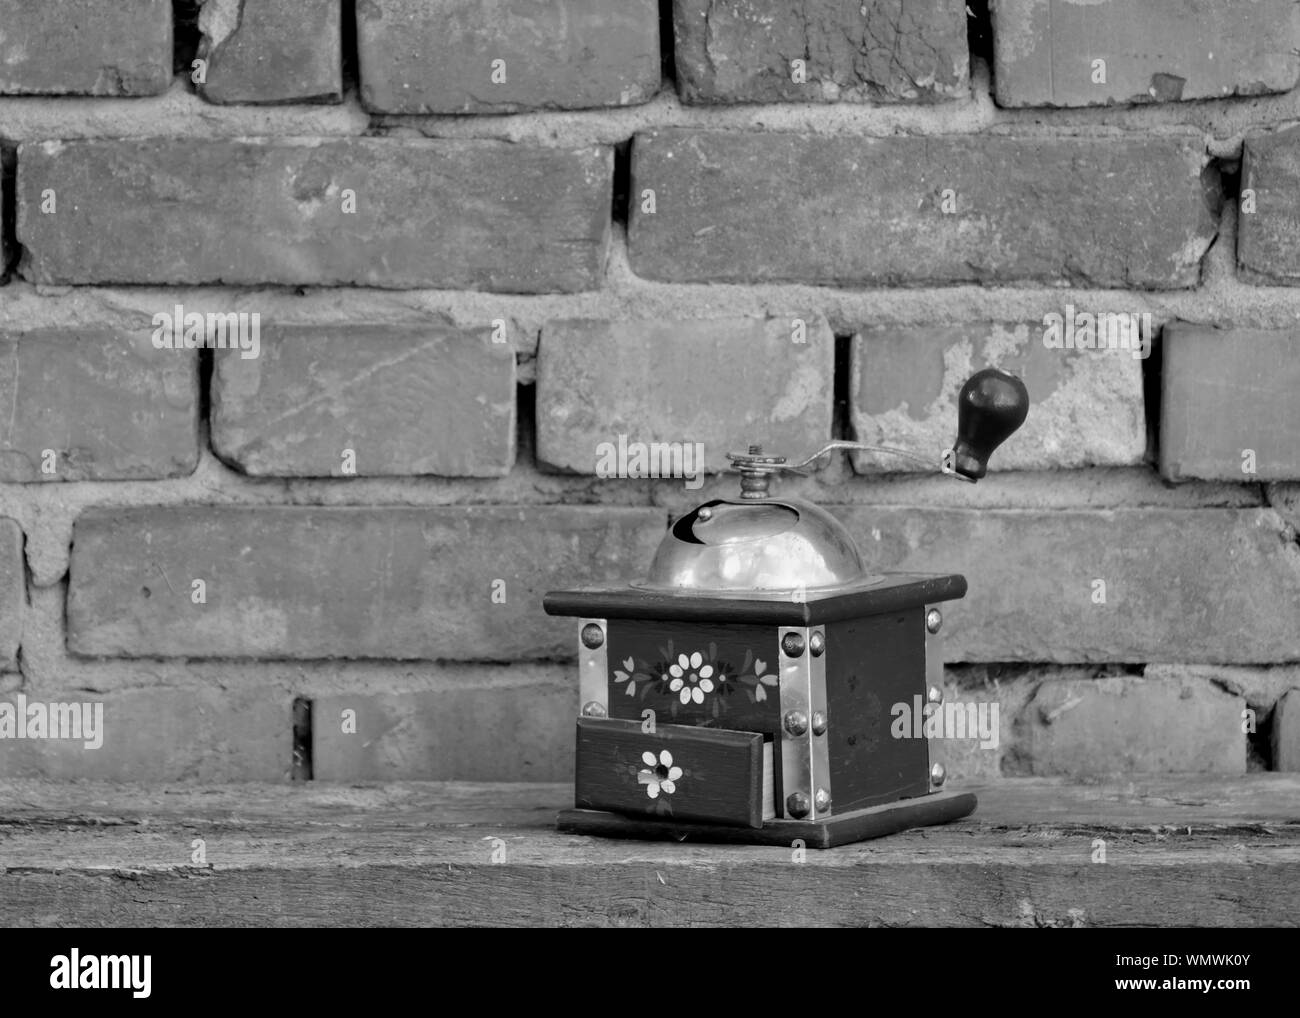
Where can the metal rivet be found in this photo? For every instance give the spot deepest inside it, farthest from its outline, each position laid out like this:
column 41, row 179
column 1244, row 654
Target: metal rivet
column 705, row 513
column 795, row 722
column 592, row 709
column 792, row 644
column 938, row 774
column 796, row 804
column 816, row 644
column 818, row 723
column 934, row 695
column 933, row 620
column 592, row 635
column 823, row 800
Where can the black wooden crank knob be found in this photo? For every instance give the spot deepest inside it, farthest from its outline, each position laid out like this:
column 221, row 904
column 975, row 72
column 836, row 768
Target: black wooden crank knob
column 993, row 403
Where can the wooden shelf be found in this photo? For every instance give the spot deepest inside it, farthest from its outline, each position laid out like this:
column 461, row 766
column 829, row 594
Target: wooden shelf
column 1179, row 851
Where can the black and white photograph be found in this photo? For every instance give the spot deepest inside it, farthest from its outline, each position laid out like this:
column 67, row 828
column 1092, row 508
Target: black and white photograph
column 651, row 463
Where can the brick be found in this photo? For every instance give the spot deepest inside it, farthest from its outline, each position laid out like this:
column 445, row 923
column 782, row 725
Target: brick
column 1260, row 687
column 109, row 406
column 968, row 756
column 481, row 215
column 1195, row 586
column 429, row 399
column 906, row 380
column 298, row 583
column 1155, row 51
column 479, row 733
column 1269, row 222
column 163, row 735
column 8, row 163
column 1130, row 725
column 965, row 755
column 657, row 381
column 746, row 206
column 13, row 591
column 1225, row 392
column 417, row 57
column 263, row 51
column 1285, row 498
column 1286, row 732
column 730, row 51
column 85, row 47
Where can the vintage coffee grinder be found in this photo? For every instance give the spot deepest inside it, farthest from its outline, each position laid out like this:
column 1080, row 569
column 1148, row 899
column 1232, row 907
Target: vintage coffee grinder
column 743, row 691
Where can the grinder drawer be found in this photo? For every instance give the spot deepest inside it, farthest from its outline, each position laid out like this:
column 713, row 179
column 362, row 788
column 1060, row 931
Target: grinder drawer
column 675, row 772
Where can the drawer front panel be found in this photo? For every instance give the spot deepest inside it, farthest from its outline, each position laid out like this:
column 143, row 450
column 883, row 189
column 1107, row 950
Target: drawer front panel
column 675, row 773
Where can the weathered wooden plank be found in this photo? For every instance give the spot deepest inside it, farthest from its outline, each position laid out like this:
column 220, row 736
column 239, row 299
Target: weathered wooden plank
column 1023, row 888
column 1141, row 804
column 1179, row 851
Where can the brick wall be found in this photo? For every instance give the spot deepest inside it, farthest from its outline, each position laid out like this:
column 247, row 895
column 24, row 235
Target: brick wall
column 483, row 241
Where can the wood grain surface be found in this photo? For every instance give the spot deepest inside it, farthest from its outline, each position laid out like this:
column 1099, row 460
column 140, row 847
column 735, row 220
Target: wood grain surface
column 894, row 591
column 1179, row 851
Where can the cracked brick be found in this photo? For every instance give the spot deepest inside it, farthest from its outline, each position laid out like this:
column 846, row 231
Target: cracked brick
column 266, row 51
column 737, row 51
column 427, row 399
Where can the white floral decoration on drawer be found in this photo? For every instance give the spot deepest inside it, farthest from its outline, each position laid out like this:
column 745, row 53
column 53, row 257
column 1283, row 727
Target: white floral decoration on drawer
column 659, row 775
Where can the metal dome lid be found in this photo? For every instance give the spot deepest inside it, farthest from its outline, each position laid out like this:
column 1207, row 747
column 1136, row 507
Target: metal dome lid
column 757, row 547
